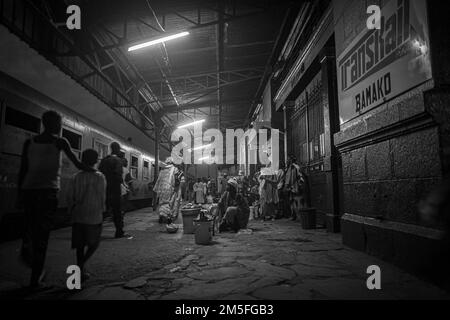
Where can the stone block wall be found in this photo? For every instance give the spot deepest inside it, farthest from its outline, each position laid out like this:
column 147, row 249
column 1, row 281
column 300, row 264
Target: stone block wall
column 394, row 155
column 390, row 159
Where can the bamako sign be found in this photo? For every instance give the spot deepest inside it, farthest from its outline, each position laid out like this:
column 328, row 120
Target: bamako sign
column 379, row 65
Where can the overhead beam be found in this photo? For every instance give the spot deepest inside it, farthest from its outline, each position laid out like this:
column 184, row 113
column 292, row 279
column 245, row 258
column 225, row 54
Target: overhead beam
column 223, row 74
column 191, row 24
column 208, row 49
column 167, row 110
column 249, row 44
column 203, row 92
column 102, row 85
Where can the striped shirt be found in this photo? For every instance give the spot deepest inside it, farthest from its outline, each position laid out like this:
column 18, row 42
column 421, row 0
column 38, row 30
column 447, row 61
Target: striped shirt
column 86, row 197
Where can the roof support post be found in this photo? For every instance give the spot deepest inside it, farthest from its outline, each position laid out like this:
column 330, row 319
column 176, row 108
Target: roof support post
column 220, row 53
column 158, row 129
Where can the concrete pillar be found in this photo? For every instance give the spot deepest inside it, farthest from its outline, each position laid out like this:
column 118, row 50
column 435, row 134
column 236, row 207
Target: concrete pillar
column 158, row 127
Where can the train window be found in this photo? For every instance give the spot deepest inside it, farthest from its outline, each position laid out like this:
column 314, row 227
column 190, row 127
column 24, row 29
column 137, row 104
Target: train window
column 101, row 148
column 74, row 140
column 134, row 166
column 134, row 161
column 22, row 120
column 146, row 171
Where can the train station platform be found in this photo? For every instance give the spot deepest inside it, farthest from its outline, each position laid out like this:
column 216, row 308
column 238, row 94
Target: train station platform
column 270, row 260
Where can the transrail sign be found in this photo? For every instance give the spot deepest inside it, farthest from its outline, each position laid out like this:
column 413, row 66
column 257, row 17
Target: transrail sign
column 379, row 65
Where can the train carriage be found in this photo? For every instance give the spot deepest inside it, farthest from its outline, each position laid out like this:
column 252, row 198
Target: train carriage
column 21, row 108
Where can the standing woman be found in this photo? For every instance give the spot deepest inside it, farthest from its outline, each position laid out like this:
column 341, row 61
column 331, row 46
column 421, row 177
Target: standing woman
column 168, row 189
column 199, row 192
column 268, row 193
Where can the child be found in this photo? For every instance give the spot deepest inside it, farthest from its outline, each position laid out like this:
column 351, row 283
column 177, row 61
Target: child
column 87, row 196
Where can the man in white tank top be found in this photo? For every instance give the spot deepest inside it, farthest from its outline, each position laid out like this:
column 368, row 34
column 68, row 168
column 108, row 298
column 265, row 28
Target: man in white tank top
column 38, row 186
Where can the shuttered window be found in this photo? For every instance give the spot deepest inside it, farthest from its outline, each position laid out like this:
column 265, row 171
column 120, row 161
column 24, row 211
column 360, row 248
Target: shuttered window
column 315, row 122
column 306, row 125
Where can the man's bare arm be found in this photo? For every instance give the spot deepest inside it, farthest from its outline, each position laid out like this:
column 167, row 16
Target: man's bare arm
column 64, row 146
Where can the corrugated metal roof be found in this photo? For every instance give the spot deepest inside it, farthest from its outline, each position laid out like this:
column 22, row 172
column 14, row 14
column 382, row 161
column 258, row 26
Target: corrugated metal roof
column 248, row 43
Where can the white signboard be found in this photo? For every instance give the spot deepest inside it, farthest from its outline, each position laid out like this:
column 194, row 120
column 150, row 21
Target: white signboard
column 381, row 64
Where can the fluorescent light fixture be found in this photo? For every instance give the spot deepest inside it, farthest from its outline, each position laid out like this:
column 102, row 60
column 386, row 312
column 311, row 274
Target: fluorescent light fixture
column 191, row 124
column 204, row 158
column 258, row 108
column 156, row 41
column 201, row 147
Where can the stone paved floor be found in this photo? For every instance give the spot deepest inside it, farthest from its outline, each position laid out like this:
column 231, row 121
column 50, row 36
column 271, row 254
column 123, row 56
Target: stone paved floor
column 271, row 260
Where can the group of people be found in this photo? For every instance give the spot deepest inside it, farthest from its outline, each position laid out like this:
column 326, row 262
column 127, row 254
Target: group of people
column 233, row 207
column 94, row 191
column 91, row 193
column 199, row 191
column 279, row 194
column 273, row 194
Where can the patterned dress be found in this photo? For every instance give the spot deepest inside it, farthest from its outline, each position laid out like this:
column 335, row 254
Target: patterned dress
column 268, row 194
column 200, row 191
column 168, row 192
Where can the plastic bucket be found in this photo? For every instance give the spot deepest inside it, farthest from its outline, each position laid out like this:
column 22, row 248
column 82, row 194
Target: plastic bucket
column 188, row 219
column 203, row 232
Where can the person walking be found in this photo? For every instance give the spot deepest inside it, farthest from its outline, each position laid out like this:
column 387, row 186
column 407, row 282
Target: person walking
column 38, row 188
column 112, row 167
column 86, row 201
